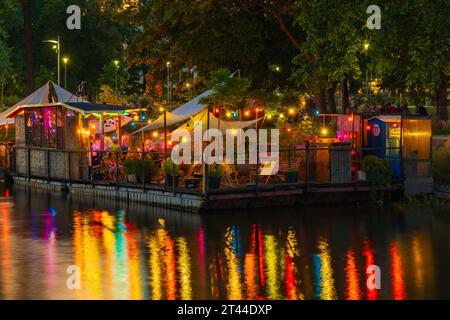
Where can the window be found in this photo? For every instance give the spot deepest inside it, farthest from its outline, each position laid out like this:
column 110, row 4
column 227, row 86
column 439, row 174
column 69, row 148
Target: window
column 44, row 127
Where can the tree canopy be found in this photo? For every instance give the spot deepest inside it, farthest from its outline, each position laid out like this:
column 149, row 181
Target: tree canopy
column 167, row 50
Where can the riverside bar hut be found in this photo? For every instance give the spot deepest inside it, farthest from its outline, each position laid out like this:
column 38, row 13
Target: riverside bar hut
column 54, row 133
column 405, row 141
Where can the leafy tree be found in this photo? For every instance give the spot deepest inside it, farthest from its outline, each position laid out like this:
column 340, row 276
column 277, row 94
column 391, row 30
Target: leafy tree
column 412, row 50
column 335, row 40
column 108, row 96
column 108, row 77
column 5, row 63
column 229, row 91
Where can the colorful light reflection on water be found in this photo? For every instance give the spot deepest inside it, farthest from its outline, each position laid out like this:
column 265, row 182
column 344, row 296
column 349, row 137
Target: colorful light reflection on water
column 150, row 253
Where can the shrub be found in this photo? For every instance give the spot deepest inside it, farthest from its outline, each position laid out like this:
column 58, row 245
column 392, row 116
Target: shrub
column 170, row 168
column 441, row 165
column 135, row 166
column 377, row 171
column 215, row 172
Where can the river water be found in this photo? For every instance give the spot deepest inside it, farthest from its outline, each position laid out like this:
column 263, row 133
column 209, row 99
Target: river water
column 53, row 246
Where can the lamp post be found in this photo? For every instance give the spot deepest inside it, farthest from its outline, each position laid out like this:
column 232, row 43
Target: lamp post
column 65, row 61
column 366, row 48
column 116, row 63
column 168, row 82
column 58, row 51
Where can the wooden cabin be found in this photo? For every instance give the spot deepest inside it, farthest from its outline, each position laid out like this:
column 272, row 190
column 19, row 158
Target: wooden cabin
column 51, row 138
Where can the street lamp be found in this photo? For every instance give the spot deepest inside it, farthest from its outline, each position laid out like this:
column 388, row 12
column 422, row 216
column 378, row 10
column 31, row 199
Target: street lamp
column 116, row 63
column 65, row 61
column 58, row 51
column 366, row 49
column 168, row 82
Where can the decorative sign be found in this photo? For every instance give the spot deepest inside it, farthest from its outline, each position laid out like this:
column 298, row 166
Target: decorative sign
column 376, row 130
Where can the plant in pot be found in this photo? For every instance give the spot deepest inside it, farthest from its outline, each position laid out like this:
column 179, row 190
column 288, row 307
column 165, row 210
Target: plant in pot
column 133, row 169
column 130, row 168
column 214, row 178
column 171, row 173
column 291, row 176
column 148, row 167
column 378, row 176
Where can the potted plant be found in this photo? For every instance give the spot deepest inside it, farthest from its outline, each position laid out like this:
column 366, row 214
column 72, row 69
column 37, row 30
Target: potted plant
column 130, row 169
column 378, row 177
column 214, row 178
column 134, row 168
column 291, row 176
column 171, row 173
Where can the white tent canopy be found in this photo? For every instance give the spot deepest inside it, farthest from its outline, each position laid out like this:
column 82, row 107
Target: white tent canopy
column 214, row 123
column 179, row 114
column 40, row 97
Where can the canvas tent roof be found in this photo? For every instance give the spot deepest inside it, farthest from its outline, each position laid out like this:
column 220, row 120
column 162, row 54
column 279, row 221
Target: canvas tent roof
column 213, row 123
column 87, row 107
column 179, row 114
column 43, row 95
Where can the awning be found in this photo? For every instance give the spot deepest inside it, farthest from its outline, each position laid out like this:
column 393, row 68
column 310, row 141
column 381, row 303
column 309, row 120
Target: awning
column 179, row 114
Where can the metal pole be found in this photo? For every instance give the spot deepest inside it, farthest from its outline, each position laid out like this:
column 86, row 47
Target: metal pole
column 367, row 87
column 307, row 167
column 101, row 133
column 59, row 62
column 165, row 134
column 65, row 74
column 205, row 165
column 142, row 126
column 117, row 68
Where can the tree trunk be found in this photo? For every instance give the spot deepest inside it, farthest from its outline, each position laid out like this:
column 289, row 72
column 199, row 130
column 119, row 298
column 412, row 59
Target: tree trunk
column 28, row 44
column 1, row 102
column 321, row 104
column 441, row 97
column 331, row 99
column 345, row 96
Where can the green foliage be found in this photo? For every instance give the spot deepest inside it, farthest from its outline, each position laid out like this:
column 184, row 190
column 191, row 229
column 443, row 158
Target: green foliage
column 377, row 171
column 333, row 43
column 228, row 90
column 108, row 77
column 135, row 166
column 293, row 170
column 441, row 127
column 215, row 172
column 170, row 168
column 108, row 96
column 441, row 165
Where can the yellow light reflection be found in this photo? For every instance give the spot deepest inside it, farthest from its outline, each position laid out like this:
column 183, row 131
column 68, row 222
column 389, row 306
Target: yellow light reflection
column 270, row 247
column 234, row 290
column 250, row 276
column 326, row 270
column 169, row 264
column 184, row 269
column 352, row 276
column 155, row 270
